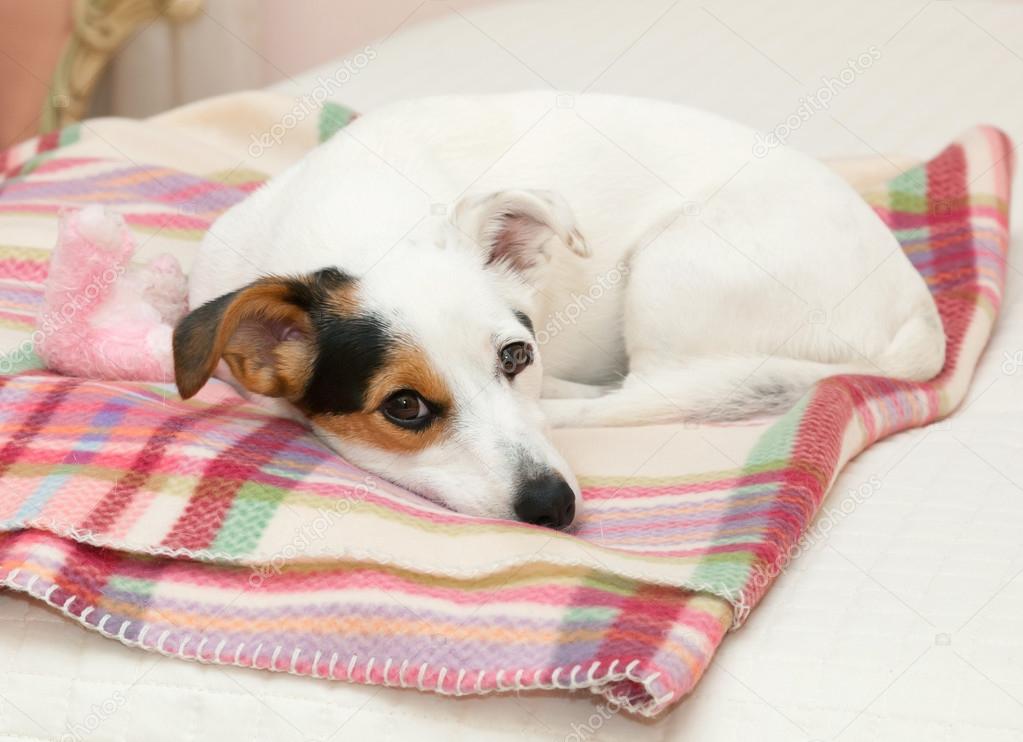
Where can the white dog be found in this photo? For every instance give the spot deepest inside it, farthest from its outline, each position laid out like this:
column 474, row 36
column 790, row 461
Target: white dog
column 398, row 287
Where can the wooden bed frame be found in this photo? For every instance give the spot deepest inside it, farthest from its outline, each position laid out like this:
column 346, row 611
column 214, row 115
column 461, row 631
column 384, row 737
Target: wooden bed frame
column 99, row 29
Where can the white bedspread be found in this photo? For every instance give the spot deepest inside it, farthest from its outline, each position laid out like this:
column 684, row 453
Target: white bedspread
column 904, row 624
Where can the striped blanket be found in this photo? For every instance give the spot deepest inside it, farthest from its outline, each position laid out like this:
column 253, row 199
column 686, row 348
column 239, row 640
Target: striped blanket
column 212, row 531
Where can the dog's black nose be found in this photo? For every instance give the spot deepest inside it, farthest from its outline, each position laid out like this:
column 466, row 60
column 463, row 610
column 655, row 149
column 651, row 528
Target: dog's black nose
column 546, row 500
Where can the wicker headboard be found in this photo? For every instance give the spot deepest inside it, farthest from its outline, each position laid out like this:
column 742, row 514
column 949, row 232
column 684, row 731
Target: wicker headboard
column 100, row 28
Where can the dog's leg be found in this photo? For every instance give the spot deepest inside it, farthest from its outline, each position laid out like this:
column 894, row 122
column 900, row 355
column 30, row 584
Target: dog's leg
column 703, row 390
column 747, row 330
column 555, row 388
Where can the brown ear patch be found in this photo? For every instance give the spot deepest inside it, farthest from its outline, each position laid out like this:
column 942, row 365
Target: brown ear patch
column 265, row 340
column 268, row 366
column 265, row 333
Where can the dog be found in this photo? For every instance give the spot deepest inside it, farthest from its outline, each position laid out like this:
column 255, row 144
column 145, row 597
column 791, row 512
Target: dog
column 446, row 278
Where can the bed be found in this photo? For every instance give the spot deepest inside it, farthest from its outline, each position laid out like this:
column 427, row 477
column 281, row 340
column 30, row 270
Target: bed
column 902, row 623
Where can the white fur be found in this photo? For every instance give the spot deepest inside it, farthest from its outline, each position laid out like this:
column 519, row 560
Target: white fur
column 670, row 268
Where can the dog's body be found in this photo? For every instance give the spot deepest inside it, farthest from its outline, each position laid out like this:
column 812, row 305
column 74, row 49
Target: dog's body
column 660, row 264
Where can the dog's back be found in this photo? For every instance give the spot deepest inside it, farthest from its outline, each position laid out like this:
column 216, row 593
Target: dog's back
column 746, row 246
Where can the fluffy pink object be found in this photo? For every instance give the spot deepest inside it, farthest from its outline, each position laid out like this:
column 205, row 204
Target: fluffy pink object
column 105, row 317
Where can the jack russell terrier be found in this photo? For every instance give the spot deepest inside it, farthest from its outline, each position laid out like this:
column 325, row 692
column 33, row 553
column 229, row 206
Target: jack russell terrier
column 398, row 287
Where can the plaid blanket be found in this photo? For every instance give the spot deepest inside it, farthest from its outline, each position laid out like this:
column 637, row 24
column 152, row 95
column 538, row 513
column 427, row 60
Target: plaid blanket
column 210, row 530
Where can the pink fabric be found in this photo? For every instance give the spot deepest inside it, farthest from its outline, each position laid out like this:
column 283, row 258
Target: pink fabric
column 103, row 317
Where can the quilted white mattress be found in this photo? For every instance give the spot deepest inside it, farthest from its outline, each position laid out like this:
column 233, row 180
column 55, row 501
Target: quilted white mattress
column 904, row 624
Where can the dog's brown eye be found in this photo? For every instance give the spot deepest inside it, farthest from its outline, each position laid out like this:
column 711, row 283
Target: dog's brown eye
column 407, row 409
column 515, row 357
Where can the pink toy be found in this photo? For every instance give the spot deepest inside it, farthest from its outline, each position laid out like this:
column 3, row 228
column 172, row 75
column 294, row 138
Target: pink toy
column 105, row 317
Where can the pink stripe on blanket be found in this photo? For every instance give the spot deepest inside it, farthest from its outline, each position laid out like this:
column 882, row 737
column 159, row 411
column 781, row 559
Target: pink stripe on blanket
column 197, row 526
column 153, row 220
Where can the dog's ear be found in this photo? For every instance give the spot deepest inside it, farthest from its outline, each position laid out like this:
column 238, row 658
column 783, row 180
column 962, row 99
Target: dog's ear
column 519, row 229
column 262, row 331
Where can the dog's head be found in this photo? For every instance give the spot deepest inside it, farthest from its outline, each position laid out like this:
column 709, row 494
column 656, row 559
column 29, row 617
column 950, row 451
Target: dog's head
column 424, row 369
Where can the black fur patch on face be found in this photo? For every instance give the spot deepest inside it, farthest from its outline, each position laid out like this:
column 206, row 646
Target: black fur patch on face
column 307, row 294
column 525, row 320
column 350, row 350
